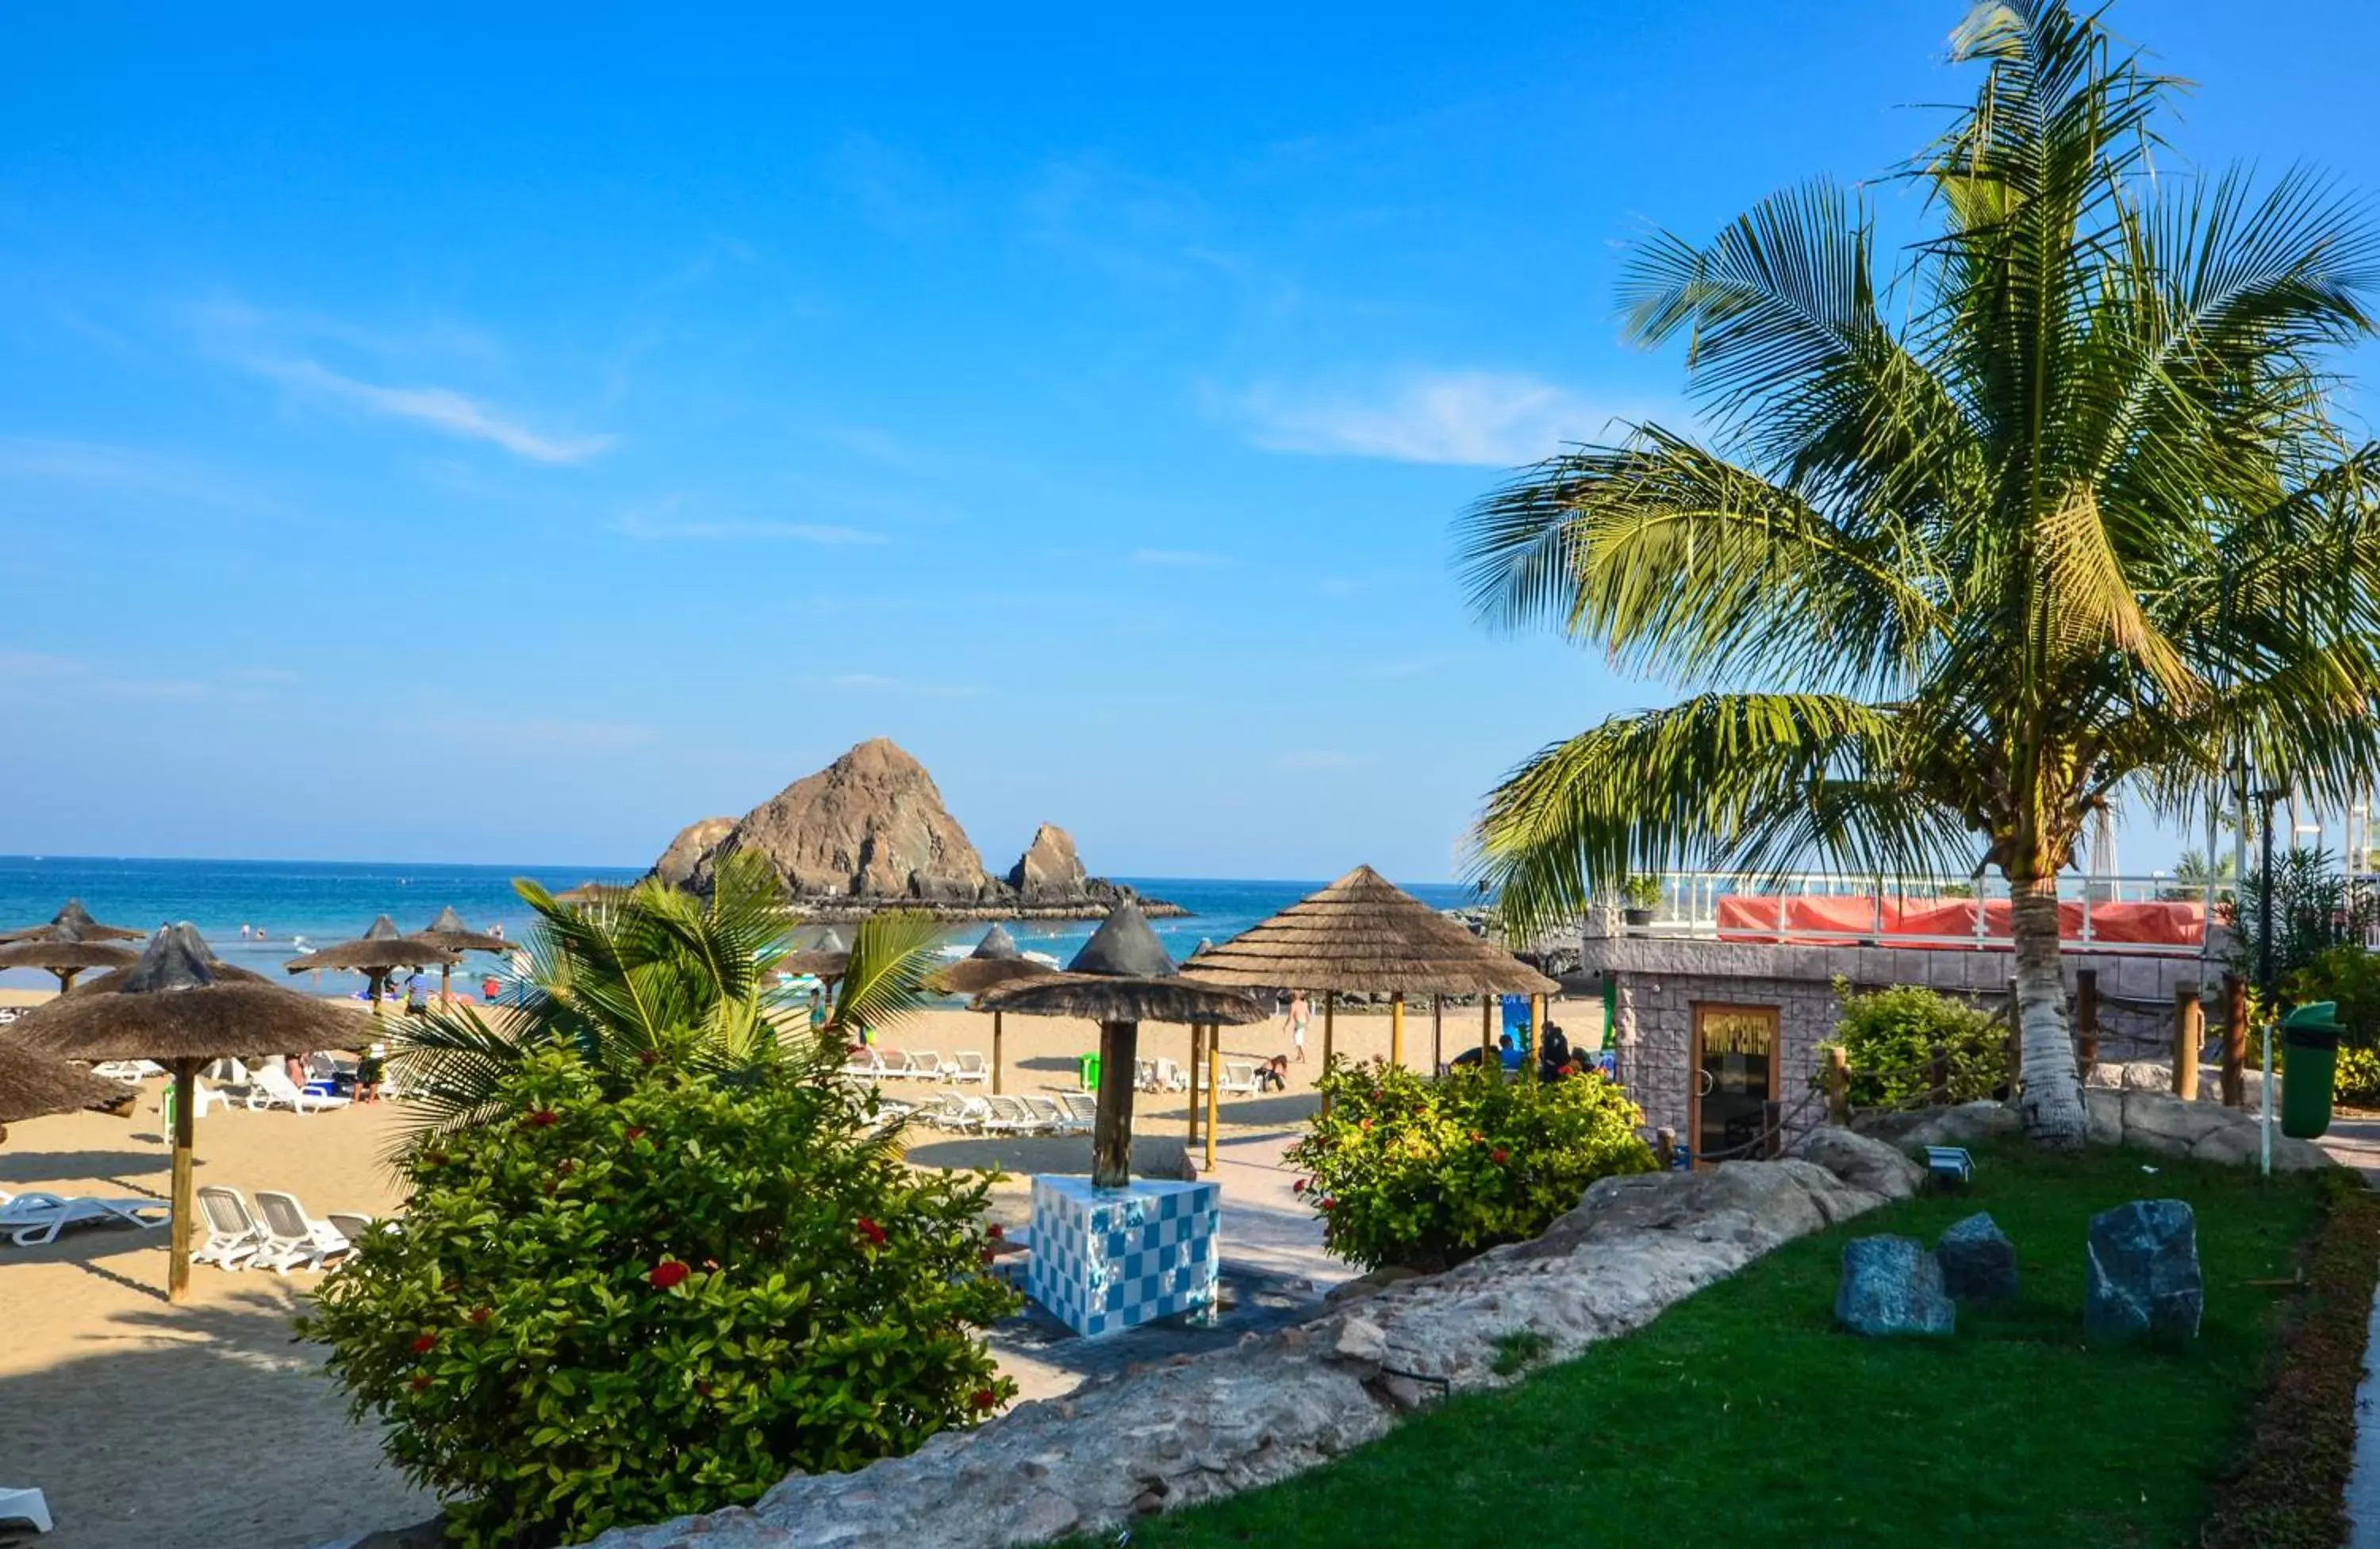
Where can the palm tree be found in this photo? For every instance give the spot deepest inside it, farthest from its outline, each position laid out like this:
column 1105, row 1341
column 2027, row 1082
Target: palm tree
column 656, row 972
column 2053, row 516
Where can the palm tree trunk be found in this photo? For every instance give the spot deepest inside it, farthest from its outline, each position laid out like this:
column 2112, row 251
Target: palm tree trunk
column 2051, row 1102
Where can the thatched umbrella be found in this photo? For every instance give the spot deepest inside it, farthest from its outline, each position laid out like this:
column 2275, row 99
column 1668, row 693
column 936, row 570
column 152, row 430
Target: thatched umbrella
column 62, row 949
column 995, row 961
column 33, row 1086
column 375, row 953
column 827, row 958
column 174, row 1006
column 1121, row 979
column 1361, row 935
column 450, row 930
column 79, row 918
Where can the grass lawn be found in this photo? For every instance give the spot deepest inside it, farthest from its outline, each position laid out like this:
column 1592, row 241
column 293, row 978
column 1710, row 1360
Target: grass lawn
column 1741, row 1417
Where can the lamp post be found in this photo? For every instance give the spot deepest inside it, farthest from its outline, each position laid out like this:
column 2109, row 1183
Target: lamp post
column 2265, row 987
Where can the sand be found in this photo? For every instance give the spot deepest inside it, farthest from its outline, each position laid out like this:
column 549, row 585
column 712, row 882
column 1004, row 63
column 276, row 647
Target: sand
column 210, row 1425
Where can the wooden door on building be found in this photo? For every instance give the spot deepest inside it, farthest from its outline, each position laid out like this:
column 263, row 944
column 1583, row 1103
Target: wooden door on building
column 1736, row 1063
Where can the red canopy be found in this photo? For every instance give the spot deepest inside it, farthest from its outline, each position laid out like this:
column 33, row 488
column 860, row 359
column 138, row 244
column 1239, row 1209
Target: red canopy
column 1821, row 921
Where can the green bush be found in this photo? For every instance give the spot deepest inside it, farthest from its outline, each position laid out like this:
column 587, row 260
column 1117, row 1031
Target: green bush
column 2351, row 976
column 1423, row 1172
column 614, row 1308
column 1888, row 1037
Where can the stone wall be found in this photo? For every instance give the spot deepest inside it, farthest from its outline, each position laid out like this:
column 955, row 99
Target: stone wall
column 1659, row 980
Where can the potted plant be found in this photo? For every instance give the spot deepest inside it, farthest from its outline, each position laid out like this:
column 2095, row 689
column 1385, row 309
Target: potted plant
column 1641, row 896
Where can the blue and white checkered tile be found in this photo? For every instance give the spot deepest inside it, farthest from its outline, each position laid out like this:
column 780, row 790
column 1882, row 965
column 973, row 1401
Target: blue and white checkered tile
column 1100, row 1263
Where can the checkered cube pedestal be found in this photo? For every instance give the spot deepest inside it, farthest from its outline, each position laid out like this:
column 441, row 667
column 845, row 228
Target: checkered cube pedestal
column 1108, row 1258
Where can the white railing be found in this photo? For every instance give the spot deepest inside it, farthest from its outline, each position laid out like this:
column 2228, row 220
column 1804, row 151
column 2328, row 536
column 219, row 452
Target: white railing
column 1690, row 905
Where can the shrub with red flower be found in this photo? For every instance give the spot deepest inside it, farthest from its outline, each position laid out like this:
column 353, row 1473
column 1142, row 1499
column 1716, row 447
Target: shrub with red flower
column 983, row 1398
column 831, row 1256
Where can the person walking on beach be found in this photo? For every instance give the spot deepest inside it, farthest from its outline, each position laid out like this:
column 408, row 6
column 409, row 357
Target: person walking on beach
column 1299, row 1013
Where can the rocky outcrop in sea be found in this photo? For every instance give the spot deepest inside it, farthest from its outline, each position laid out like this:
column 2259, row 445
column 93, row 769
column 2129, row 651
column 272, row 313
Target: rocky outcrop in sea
column 869, row 833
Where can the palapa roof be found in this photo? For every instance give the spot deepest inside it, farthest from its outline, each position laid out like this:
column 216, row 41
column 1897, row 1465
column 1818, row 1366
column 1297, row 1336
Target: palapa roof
column 57, row 949
column 449, row 929
column 1123, row 974
column 827, row 958
column 995, row 961
column 1363, row 934
column 377, row 950
column 177, row 1003
column 997, row 945
column 33, row 1086
column 78, row 919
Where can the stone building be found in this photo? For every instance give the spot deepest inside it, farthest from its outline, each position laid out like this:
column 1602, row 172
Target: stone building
column 1707, row 1032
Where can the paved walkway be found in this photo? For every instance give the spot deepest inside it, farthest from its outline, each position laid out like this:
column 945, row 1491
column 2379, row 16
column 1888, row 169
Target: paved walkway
column 2356, row 1143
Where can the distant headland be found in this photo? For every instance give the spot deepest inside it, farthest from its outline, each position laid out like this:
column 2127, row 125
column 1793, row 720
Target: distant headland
column 869, row 833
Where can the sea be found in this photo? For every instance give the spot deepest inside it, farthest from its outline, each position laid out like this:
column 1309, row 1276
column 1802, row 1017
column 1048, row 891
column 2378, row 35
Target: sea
column 288, row 907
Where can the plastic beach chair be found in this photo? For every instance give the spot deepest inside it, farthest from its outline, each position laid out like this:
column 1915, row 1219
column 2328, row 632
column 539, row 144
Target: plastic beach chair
column 233, row 1237
column 971, row 1066
column 26, row 1505
column 1239, row 1079
column 272, row 1088
column 33, row 1220
column 292, row 1238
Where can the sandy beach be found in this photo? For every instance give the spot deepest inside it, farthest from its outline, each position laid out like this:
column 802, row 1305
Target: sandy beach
column 209, row 1424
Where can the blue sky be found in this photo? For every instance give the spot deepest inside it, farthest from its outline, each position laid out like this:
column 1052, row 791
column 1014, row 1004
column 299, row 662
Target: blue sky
column 439, row 437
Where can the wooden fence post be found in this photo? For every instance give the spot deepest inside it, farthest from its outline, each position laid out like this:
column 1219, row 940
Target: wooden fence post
column 2188, row 1031
column 1839, row 1087
column 2235, row 1040
column 2086, row 1020
column 1772, row 1130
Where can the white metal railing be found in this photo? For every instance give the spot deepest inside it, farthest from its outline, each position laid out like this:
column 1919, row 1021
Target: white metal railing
column 1690, row 904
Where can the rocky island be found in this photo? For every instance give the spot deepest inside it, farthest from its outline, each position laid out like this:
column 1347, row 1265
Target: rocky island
column 869, row 832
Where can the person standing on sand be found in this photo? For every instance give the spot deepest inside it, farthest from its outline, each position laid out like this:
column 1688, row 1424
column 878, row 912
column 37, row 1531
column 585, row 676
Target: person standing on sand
column 1299, row 1013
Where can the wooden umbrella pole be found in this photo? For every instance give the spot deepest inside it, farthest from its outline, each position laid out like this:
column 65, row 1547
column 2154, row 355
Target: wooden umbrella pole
column 1330, row 1013
column 378, row 978
column 1397, row 1029
column 1214, row 1074
column 1487, row 1026
column 177, row 1269
column 1198, row 1036
column 1112, row 1133
column 995, row 1054
column 445, row 984
column 66, row 979
column 1436, row 1033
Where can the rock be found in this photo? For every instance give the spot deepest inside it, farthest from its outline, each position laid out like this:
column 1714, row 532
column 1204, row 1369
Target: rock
column 871, row 824
column 1864, row 1163
column 2106, row 1107
column 1363, row 1286
column 2161, row 1122
column 1964, row 1124
column 694, row 841
column 1978, row 1260
column 2143, row 1271
column 1891, row 1286
column 1049, row 869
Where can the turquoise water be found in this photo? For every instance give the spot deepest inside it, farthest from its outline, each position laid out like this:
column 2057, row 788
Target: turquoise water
column 331, row 900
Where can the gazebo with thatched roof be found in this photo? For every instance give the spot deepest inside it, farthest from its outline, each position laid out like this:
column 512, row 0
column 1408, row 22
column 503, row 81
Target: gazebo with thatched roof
column 1364, row 936
column 376, row 952
column 61, row 949
column 176, row 1006
column 76, row 918
column 826, row 957
column 995, row 961
column 35, row 1086
column 449, row 929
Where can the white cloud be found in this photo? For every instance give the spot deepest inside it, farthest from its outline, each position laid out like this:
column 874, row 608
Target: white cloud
column 1489, row 418
column 661, row 522
column 441, row 407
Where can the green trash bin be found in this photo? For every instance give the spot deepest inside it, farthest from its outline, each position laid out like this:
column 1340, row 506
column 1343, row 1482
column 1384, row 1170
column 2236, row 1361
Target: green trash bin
column 1091, row 1075
column 2310, row 1034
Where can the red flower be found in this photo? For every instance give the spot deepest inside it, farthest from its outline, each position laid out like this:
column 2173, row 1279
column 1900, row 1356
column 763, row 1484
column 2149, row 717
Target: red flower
column 1298, row 1187
column 426, row 1344
column 481, row 1314
column 420, row 1381
column 667, row 1273
column 1364, row 1124
column 634, row 1133
column 1477, row 1137
column 649, row 1058
column 871, row 1231
column 703, row 1389
column 1330, row 1204
column 543, row 1118
column 996, row 1231
column 983, row 1398
column 1499, row 1156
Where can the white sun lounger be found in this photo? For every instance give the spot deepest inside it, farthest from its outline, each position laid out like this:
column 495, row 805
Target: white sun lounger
column 32, row 1220
column 1082, row 1111
column 1009, row 1117
column 233, row 1237
column 958, row 1113
column 272, row 1088
column 1239, row 1079
column 865, row 1065
column 971, row 1066
column 26, row 1505
column 292, row 1238
column 927, row 1065
column 128, row 1069
column 1046, row 1113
